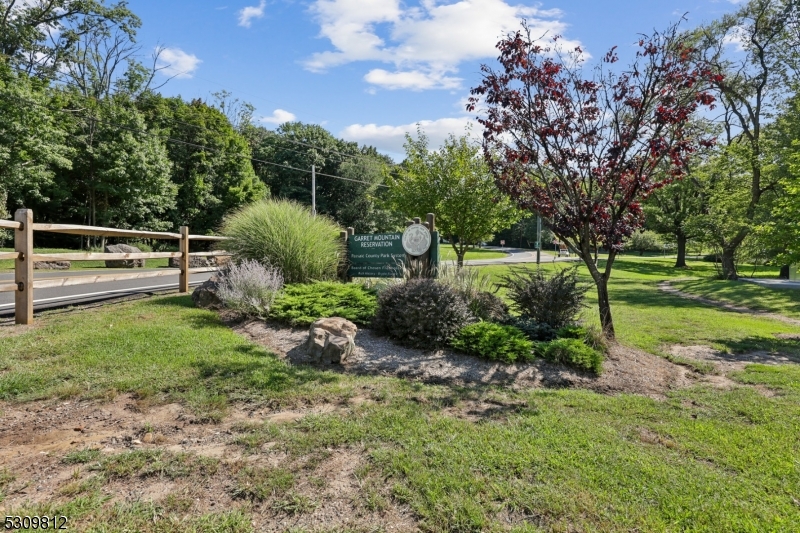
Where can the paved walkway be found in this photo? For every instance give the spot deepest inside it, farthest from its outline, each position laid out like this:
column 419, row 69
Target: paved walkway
column 515, row 255
column 774, row 283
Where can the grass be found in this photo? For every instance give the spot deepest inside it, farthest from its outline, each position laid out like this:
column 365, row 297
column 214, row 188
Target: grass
column 703, row 460
column 782, row 301
column 8, row 264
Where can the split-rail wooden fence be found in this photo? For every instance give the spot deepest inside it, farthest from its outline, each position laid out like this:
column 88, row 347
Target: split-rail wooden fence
column 24, row 282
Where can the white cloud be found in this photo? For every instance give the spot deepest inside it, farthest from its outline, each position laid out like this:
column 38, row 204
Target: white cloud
column 247, row 14
column 415, row 80
column 279, row 116
column 390, row 139
column 177, row 63
column 425, row 43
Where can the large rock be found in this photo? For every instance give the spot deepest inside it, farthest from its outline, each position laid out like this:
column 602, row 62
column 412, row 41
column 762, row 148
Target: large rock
column 206, row 294
column 331, row 340
column 123, row 263
column 51, row 265
column 194, row 262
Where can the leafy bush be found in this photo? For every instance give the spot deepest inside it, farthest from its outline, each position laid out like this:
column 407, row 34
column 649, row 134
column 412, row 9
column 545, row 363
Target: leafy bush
column 574, row 352
column 554, row 301
column 301, row 305
column 250, row 287
column 493, row 341
column 287, row 236
column 645, row 241
column 477, row 289
column 571, row 332
column 421, row 313
column 535, row 331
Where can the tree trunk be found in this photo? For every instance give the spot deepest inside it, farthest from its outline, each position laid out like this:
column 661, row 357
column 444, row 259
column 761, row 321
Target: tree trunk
column 460, row 261
column 606, row 322
column 729, row 264
column 681, row 261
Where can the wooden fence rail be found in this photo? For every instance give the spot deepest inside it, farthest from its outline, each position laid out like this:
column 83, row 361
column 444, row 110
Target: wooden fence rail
column 24, row 282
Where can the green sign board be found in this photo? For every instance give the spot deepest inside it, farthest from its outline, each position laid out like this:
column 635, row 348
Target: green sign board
column 380, row 255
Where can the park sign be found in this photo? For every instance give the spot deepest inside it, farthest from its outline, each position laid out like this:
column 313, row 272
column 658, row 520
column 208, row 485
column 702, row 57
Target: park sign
column 382, row 255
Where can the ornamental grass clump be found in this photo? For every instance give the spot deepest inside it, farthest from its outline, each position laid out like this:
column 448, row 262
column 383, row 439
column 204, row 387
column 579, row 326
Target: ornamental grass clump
column 285, row 235
column 250, row 287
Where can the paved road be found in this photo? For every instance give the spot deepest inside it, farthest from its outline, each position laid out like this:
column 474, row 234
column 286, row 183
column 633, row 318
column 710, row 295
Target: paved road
column 515, row 255
column 94, row 292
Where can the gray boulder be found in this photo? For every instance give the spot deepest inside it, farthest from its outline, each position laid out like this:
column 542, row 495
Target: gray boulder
column 123, row 263
column 51, row 265
column 194, row 262
column 205, row 295
column 331, row 340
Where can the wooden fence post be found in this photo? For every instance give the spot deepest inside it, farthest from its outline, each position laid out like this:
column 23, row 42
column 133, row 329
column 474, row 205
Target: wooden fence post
column 183, row 281
column 23, row 267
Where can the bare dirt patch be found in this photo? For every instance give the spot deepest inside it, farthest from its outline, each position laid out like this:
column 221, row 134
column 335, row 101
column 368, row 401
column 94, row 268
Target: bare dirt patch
column 727, row 362
column 626, row 370
column 330, row 487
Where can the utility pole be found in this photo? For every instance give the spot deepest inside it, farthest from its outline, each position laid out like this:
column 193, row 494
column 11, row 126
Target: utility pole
column 314, row 190
column 538, row 239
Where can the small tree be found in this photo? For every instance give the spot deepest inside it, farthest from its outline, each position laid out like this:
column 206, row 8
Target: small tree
column 585, row 152
column 455, row 183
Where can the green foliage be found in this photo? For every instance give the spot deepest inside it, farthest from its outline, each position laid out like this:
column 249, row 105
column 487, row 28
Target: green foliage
column 571, row 331
column 356, row 204
column 285, row 235
column 536, row 331
column 554, row 300
column 453, row 182
column 421, row 313
column 645, row 241
column 301, row 305
column 495, row 342
column 574, row 352
column 477, row 289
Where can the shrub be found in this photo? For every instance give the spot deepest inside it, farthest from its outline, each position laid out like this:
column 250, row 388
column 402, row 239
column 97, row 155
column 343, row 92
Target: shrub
column 249, row 287
column 571, row 332
column 301, row 305
column 594, row 338
column 287, row 236
column 493, row 341
column 645, row 241
column 535, row 331
column 421, row 313
column 574, row 352
column 478, row 291
column 554, row 301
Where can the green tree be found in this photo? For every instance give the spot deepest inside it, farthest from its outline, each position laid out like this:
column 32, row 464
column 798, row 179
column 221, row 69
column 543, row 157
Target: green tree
column 211, row 164
column 453, row 182
column 33, row 141
column 40, row 36
column 669, row 209
column 753, row 82
column 352, row 202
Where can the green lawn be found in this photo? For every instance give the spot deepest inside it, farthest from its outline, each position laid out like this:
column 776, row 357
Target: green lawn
column 783, row 301
column 544, row 460
column 446, row 253
column 8, row 264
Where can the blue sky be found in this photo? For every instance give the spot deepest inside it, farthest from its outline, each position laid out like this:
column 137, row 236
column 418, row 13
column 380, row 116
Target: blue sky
column 369, row 70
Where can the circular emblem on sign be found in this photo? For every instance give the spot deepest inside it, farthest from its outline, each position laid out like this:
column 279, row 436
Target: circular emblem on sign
column 416, row 239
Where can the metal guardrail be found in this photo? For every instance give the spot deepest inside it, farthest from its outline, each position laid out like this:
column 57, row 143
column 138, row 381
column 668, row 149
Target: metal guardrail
column 24, row 257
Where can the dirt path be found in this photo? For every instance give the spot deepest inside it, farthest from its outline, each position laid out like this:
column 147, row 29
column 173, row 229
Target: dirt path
column 666, row 287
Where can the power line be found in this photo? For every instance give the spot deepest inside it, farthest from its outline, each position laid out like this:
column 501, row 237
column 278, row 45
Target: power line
column 195, row 145
column 269, row 132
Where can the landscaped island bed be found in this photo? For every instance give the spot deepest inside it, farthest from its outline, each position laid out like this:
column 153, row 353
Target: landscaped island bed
column 153, row 408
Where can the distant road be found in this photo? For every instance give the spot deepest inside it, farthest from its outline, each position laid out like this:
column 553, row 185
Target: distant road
column 515, row 255
column 93, row 292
